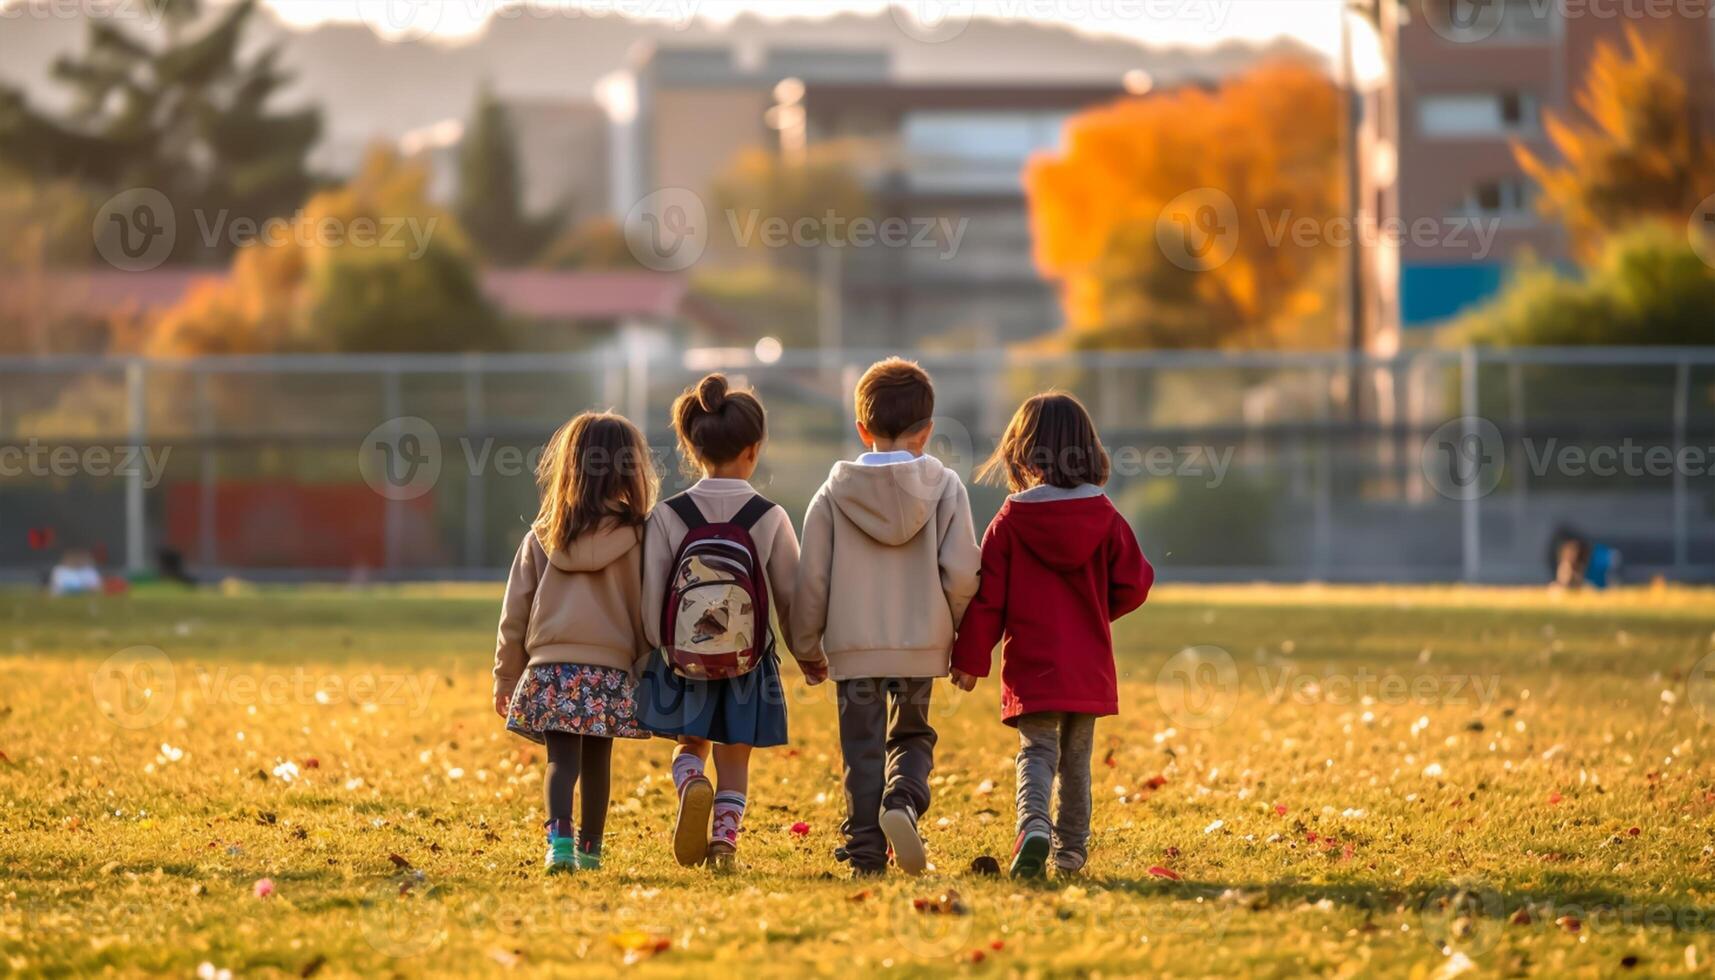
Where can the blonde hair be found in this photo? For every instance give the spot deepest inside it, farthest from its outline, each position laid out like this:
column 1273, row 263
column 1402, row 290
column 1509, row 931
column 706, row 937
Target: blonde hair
column 596, row 472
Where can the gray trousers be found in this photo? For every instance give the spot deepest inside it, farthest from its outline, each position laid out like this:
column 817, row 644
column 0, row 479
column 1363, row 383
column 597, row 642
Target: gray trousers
column 1054, row 759
column 889, row 750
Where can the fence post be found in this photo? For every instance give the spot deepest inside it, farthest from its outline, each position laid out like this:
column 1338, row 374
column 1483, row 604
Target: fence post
column 1681, row 515
column 474, row 503
column 1470, row 514
column 637, row 381
column 1322, row 515
column 393, row 514
column 208, row 476
column 135, row 514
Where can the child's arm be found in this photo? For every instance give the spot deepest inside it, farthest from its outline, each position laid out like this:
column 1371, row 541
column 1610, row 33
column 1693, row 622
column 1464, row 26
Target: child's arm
column 657, row 565
column 1129, row 573
column 810, row 590
column 509, row 654
column 640, row 615
column 783, row 567
column 961, row 558
column 985, row 618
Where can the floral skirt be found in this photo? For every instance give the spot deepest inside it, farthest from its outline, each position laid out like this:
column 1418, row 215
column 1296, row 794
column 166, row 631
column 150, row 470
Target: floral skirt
column 574, row 698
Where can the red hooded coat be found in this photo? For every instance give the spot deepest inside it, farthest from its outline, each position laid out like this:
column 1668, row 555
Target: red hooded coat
column 1056, row 573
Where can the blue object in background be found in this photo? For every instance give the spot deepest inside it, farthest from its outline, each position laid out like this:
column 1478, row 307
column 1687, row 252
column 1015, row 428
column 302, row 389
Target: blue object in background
column 1429, row 294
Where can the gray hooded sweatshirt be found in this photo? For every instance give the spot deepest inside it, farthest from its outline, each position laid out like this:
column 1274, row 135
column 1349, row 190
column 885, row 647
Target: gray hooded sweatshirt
column 889, row 563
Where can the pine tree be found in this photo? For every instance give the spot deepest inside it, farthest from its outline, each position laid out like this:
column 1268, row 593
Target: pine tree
column 490, row 203
column 185, row 114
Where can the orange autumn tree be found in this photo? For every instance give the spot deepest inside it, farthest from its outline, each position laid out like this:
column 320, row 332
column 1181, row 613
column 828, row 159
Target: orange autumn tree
column 371, row 265
column 1640, row 153
column 1234, row 169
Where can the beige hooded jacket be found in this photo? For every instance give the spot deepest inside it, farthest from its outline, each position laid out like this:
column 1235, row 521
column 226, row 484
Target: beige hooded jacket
column 888, row 564
column 577, row 605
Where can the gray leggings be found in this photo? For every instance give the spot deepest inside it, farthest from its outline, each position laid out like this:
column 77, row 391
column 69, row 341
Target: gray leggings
column 1054, row 758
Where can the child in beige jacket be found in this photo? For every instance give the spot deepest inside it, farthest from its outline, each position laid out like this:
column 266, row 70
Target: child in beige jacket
column 889, row 562
column 571, row 635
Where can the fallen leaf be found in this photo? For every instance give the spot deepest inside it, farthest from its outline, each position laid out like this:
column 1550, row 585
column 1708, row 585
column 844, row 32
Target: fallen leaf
column 399, row 860
column 945, row 903
column 800, row 829
column 639, row 945
column 1160, row 872
column 314, row 966
column 985, row 864
column 264, row 888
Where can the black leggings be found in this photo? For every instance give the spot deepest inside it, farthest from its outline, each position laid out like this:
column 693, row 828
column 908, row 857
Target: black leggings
column 569, row 758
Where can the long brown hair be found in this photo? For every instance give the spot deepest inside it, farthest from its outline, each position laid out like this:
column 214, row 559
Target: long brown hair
column 1051, row 439
column 596, row 472
column 714, row 423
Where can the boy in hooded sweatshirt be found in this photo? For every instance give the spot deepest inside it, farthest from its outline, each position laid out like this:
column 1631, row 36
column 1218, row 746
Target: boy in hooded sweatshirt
column 1059, row 566
column 889, row 562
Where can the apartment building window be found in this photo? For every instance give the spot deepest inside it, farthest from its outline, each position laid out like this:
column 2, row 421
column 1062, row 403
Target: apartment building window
column 1506, row 197
column 982, row 150
column 1508, row 113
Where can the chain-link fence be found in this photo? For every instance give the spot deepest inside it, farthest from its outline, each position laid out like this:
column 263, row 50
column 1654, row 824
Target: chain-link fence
column 1433, row 465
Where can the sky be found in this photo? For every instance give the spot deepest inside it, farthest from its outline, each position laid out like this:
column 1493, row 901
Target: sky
column 1195, row 23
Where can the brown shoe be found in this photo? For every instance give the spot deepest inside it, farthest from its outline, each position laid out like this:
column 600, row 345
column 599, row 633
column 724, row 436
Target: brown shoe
column 691, row 829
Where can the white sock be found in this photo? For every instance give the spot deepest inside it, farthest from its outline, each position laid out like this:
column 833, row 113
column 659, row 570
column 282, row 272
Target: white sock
column 685, row 765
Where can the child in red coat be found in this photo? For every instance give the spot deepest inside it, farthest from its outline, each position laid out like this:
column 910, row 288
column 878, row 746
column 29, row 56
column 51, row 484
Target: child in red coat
column 1059, row 566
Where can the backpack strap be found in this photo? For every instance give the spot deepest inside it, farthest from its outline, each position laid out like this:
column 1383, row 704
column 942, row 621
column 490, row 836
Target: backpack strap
column 752, row 511
column 686, row 508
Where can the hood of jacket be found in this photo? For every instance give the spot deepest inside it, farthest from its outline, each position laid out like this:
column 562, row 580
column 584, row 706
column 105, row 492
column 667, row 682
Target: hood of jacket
column 891, row 502
column 1063, row 533
column 593, row 551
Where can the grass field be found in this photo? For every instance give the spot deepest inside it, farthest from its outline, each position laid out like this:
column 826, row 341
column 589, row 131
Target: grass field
column 1341, row 781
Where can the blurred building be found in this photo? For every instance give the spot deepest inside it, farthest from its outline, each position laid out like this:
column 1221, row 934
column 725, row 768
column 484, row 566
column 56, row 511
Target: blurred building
column 1469, row 80
column 944, row 157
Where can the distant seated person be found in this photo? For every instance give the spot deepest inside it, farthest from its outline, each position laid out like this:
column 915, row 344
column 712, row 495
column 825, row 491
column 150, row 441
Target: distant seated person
column 1576, row 561
column 76, row 574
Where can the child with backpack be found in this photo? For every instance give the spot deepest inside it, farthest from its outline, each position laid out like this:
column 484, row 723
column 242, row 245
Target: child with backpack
column 1059, row 565
column 571, row 628
column 716, row 559
column 890, row 561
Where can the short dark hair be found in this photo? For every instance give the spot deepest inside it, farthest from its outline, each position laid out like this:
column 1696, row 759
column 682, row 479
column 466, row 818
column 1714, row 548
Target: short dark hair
column 1051, row 439
column 894, row 398
column 715, row 424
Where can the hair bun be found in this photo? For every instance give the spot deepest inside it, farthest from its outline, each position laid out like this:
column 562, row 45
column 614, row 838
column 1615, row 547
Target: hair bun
column 711, row 392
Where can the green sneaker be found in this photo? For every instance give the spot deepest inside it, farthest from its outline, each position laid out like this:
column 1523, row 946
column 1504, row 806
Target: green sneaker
column 589, row 860
column 562, row 856
column 1029, row 854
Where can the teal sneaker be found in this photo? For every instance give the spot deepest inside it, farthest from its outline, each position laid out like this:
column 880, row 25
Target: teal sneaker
column 562, row 856
column 1030, row 854
column 589, row 860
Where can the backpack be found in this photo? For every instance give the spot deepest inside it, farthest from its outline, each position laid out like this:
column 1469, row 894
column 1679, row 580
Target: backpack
column 715, row 623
